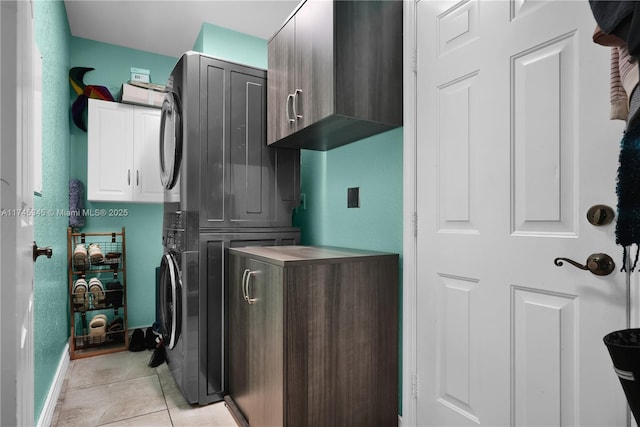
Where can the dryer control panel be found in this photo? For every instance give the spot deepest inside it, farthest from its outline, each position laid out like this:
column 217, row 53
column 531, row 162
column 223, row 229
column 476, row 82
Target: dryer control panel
column 180, row 231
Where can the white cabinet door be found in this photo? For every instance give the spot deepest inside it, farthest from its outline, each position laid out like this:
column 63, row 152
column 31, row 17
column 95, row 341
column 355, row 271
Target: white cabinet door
column 123, row 156
column 147, row 185
column 110, row 151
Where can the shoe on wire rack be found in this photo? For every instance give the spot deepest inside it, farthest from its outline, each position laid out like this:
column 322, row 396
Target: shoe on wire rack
column 97, row 291
column 98, row 329
column 81, row 295
column 95, row 253
column 80, row 260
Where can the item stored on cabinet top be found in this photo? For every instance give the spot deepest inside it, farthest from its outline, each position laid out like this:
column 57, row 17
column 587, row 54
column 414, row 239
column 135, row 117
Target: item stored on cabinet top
column 141, row 93
column 79, row 107
column 140, row 75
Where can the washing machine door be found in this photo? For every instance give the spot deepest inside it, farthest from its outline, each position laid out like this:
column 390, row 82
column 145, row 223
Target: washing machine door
column 170, row 140
column 170, row 300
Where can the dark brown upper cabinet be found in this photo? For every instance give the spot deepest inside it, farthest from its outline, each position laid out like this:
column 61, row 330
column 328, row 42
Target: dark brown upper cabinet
column 335, row 74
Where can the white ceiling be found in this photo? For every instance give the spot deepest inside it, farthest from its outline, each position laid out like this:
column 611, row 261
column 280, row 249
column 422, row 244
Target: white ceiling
column 170, row 27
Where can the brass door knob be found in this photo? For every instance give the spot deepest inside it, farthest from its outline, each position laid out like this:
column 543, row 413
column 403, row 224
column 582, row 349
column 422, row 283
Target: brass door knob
column 598, row 264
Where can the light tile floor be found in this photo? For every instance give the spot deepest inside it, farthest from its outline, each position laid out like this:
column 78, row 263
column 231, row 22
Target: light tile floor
column 119, row 389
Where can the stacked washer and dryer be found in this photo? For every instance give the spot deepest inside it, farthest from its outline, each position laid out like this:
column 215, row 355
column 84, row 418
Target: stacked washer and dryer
column 223, row 188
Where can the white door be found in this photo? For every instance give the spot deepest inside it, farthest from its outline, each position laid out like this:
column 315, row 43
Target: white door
column 514, row 145
column 16, row 221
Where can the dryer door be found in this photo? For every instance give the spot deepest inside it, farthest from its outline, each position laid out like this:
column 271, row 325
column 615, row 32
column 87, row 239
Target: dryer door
column 170, row 140
column 170, row 300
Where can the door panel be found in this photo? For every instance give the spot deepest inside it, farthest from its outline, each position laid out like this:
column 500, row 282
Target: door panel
column 148, row 186
column 252, row 188
column 16, row 220
column 213, row 140
column 549, row 347
column 544, row 138
column 281, row 66
column 265, row 288
column 514, row 145
column 239, row 346
column 256, row 352
column 110, row 151
column 314, row 49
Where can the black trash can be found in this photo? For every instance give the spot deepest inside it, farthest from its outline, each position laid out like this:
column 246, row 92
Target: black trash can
column 624, row 349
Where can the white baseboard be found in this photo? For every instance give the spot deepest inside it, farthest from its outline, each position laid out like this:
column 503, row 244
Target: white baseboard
column 49, row 407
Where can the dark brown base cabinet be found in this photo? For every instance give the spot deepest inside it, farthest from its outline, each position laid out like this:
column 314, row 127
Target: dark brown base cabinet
column 313, row 337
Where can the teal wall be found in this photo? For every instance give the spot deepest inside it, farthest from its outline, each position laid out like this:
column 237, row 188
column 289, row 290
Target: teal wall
column 374, row 165
column 311, row 215
column 51, row 319
column 232, row 46
column 143, row 222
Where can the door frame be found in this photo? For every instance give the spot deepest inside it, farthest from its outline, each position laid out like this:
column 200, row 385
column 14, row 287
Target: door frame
column 410, row 384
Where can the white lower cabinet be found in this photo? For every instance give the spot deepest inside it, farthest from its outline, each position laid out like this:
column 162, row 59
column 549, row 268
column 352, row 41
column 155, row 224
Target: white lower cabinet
column 123, row 155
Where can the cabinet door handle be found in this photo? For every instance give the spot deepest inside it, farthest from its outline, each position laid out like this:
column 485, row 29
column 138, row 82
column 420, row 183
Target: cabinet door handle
column 137, row 177
column 290, row 102
column 128, row 176
column 247, row 284
column 295, row 104
column 244, row 284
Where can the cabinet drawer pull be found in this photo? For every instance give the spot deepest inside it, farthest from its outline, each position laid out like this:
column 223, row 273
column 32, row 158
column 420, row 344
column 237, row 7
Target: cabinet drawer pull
column 295, row 104
column 288, row 104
